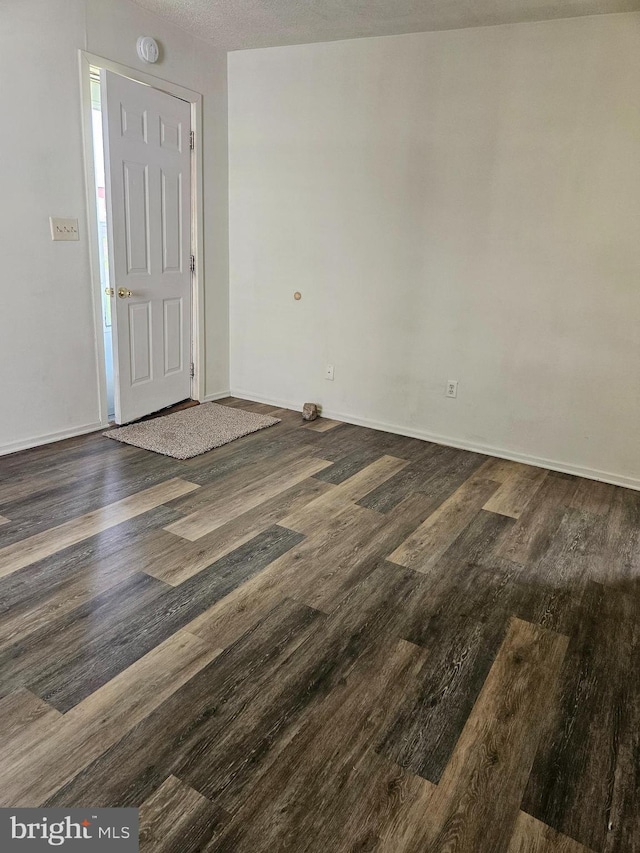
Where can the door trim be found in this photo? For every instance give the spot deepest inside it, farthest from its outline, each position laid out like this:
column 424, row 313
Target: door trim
column 85, row 61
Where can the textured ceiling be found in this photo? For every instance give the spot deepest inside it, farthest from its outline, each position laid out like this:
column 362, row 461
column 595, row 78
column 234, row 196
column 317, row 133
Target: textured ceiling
column 237, row 24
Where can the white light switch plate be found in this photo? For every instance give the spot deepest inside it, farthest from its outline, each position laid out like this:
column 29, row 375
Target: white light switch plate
column 64, row 229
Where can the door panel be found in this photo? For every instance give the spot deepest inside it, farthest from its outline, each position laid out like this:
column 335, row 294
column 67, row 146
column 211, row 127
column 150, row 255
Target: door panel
column 140, row 336
column 172, row 336
column 136, row 223
column 148, row 180
column 171, row 222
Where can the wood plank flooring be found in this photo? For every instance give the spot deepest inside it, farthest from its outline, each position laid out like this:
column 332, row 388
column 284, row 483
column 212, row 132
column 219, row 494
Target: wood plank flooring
column 322, row 638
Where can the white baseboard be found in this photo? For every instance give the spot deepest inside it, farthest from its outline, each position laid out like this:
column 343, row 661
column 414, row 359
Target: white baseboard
column 16, row 446
column 217, row 395
column 272, row 401
column 49, row 438
column 501, row 453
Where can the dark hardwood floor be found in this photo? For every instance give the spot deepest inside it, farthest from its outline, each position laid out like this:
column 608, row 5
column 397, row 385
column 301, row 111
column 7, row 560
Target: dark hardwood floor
column 322, row 638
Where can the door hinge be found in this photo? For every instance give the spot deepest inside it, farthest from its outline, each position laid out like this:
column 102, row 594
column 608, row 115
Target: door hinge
column 192, row 370
column 192, row 139
column 192, row 263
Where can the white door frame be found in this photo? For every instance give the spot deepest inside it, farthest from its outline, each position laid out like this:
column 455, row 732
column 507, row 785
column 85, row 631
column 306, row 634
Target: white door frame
column 86, row 61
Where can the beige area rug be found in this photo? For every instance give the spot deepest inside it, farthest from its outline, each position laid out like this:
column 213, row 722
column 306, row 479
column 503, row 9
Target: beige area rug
column 192, row 431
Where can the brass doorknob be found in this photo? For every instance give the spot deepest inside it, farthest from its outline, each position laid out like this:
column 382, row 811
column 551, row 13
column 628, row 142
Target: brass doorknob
column 123, row 293
column 108, row 291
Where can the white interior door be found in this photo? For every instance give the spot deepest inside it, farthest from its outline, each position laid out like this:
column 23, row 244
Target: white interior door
column 148, row 189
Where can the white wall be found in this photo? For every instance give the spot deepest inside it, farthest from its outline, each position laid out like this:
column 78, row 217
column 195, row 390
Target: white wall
column 48, row 366
column 455, row 205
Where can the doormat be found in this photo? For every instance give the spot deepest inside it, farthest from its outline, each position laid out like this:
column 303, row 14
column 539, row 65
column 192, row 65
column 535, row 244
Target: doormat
column 192, row 431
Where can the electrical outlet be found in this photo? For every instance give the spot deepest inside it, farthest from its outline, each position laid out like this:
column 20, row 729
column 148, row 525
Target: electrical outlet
column 328, row 374
column 452, row 388
column 63, row 229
